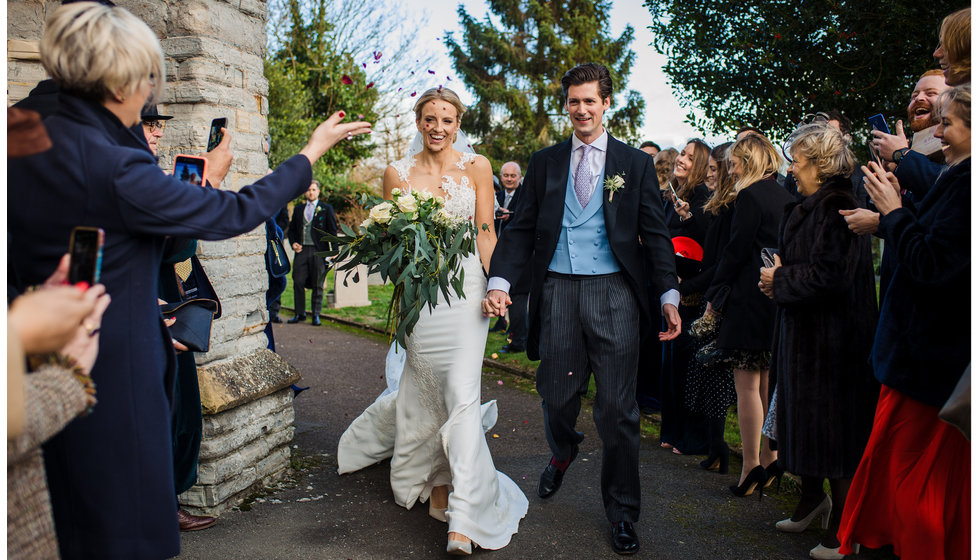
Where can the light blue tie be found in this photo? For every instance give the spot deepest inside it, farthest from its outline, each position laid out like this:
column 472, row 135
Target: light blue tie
column 583, row 177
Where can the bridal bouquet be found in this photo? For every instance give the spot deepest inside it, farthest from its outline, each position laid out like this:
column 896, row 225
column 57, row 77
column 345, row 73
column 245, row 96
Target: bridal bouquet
column 412, row 242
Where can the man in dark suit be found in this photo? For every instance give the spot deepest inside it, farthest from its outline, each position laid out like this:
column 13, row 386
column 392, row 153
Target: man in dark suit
column 586, row 205
column 510, row 182
column 310, row 269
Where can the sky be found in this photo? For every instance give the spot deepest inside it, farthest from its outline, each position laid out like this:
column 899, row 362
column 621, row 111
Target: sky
column 664, row 118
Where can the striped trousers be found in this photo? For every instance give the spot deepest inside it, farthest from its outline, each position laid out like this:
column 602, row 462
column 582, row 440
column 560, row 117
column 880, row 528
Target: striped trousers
column 590, row 327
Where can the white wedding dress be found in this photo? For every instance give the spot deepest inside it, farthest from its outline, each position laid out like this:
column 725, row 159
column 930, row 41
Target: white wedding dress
column 430, row 422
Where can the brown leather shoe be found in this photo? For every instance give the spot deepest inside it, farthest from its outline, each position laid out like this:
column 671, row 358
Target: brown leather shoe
column 189, row 522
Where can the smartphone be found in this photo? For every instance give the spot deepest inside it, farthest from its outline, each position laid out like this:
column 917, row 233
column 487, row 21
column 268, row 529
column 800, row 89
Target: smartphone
column 190, row 168
column 85, row 248
column 769, row 257
column 215, row 136
column 677, row 199
column 878, row 123
column 874, row 155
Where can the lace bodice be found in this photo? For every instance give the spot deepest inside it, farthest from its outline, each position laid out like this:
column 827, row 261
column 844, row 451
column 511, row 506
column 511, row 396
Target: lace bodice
column 460, row 200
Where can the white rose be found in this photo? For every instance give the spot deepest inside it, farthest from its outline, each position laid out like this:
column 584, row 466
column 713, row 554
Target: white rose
column 441, row 218
column 426, row 195
column 381, row 213
column 395, row 192
column 366, row 224
column 408, row 205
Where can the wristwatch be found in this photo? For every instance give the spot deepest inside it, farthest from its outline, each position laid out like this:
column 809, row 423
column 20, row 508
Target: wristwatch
column 898, row 154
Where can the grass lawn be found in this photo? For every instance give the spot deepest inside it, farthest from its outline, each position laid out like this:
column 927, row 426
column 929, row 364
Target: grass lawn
column 374, row 315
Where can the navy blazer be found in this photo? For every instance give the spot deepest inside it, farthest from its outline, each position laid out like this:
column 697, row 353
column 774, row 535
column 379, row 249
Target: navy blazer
column 635, row 213
column 111, row 473
column 922, row 344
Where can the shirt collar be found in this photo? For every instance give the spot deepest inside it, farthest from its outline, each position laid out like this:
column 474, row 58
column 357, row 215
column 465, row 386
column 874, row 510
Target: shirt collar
column 599, row 143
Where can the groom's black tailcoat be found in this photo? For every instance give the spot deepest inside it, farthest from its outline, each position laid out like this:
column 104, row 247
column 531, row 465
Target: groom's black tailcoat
column 635, row 227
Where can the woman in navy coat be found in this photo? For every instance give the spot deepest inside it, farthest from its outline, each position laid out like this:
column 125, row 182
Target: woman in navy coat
column 111, row 473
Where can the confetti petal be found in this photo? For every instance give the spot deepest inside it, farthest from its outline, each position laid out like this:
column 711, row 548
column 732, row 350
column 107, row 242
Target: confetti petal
column 500, row 383
column 369, row 86
column 433, row 72
column 346, row 80
column 569, row 373
column 364, row 64
column 494, row 355
column 377, row 55
column 413, row 94
column 495, row 436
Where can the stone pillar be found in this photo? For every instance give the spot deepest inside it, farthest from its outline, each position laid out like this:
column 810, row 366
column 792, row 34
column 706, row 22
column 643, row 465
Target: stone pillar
column 214, row 53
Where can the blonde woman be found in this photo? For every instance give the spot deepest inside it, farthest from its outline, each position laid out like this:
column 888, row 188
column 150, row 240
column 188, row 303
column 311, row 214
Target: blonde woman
column 437, row 448
column 111, row 473
column 747, row 314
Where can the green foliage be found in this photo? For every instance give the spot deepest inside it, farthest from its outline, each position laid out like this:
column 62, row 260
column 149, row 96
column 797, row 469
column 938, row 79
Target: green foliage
column 413, row 243
column 307, row 71
column 768, row 62
column 514, row 65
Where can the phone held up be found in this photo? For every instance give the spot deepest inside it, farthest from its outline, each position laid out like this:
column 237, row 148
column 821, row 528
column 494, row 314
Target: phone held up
column 190, row 168
column 215, row 136
column 769, row 257
column 878, row 123
column 86, row 255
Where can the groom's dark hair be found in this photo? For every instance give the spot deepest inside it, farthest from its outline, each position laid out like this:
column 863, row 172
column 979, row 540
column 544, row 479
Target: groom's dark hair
column 585, row 73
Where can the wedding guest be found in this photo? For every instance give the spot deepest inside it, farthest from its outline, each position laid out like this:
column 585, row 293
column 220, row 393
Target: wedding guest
column 912, row 487
column 710, row 390
column 650, row 147
column 680, row 428
column 824, row 288
column 664, row 166
column 309, row 268
column 748, row 315
column 111, row 473
column 953, row 51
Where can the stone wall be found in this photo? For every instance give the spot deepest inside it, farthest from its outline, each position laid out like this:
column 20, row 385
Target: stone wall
column 214, row 51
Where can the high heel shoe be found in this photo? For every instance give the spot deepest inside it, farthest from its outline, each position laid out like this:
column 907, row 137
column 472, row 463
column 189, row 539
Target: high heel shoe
column 717, row 462
column 774, row 473
column 437, row 513
column 823, row 508
column 821, row 552
column 755, row 478
column 459, row 548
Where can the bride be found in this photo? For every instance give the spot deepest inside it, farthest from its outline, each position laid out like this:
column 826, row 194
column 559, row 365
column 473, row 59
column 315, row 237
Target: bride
column 430, row 422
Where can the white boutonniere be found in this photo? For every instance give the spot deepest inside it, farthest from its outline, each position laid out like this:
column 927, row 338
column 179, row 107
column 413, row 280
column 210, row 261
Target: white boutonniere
column 613, row 184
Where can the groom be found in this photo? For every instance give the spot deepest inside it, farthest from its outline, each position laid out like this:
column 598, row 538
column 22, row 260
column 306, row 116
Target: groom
column 586, row 242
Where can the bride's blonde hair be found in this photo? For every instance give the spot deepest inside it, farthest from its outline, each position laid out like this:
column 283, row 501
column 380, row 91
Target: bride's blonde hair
column 441, row 93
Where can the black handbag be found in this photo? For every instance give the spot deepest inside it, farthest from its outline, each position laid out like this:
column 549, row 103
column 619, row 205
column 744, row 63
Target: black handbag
column 193, row 325
column 275, row 257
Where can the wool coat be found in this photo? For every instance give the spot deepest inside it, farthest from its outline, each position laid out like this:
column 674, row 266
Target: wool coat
column 825, row 323
column 922, row 344
column 111, row 473
column 734, row 291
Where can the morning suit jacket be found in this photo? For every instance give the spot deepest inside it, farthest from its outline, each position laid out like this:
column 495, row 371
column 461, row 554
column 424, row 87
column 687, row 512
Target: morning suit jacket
column 635, row 212
column 111, row 473
column 324, row 220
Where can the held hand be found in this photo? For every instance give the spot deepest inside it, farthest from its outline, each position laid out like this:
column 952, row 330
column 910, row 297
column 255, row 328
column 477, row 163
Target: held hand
column 886, row 144
column 673, row 322
column 60, row 275
column 84, row 347
column 883, row 187
column 297, row 248
column 331, row 131
column 860, row 220
column 219, row 160
column 178, row 346
column 683, row 210
column 495, row 303
column 766, row 275
column 48, row 319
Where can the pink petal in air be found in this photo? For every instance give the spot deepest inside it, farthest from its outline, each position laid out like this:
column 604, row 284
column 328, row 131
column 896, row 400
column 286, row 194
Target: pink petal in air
column 346, row 80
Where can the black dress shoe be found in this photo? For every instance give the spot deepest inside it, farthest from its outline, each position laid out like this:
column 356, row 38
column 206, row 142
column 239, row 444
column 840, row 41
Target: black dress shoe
column 275, row 319
column 316, row 321
column 297, row 319
column 552, row 476
column 499, row 326
column 512, row 349
column 624, row 539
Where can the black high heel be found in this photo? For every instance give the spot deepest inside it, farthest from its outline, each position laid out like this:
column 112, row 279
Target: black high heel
column 756, row 478
column 774, row 473
column 717, row 461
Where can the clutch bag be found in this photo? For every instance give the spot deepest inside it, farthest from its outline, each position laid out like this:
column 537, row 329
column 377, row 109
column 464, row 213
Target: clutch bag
column 193, row 325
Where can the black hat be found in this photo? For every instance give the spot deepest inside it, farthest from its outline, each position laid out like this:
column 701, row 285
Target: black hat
column 150, row 113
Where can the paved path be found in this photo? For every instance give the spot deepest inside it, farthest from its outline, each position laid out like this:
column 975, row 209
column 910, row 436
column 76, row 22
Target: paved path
column 688, row 513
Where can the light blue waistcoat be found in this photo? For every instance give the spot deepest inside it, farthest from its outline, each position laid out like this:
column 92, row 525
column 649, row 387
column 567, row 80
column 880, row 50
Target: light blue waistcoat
column 583, row 247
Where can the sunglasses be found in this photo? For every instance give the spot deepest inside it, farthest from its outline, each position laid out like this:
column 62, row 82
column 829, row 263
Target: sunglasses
column 154, row 125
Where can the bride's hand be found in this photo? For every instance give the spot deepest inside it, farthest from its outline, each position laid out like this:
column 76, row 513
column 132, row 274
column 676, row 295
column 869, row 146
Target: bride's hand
column 330, row 132
column 495, row 304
